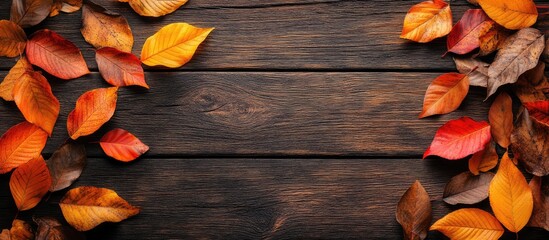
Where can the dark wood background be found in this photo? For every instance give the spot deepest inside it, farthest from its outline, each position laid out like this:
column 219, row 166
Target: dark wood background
column 295, row 120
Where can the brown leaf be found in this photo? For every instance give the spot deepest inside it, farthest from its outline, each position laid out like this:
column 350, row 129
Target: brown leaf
column 12, row 39
column 6, row 87
column 466, row 188
column 478, row 77
column 66, row 164
column 532, row 85
column 103, row 28
column 120, row 68
column 51, row 229
column 540, row 191
column 529, row 142
column 28, row 13
column 485, row 160
column 500, row 117
column 414, row 212
column 66, row 6
column 445, row 94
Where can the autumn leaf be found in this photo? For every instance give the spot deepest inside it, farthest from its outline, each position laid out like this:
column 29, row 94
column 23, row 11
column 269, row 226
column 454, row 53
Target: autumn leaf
column 120, row 68
column 519, row 53
column 511, row 14
column 414, row 212
column 29, row 183
column 476, row 70
column 56, row 55
column 34, row 98
column 174, row 45
column 93, row 109
column 6, row 87
column 528, row 141
column 540, row 193
column 66, row 6
column 510, row 197
column 426, row 21
column 12, row 39
column 539, row 111
column 20, row 144
column 492, row 40
column 445, row 94
column 51, row 229
column 122, row 145
column 532, row 85
column 465, row 35
column 500, row 117
column 469, row 223
column 103, row 28
column 155, row 8
column 86, row 207
column 459, row 138
column 66, row 164
column 21, row 230
column 485, row 160
column 28, row 13
column 466, row 188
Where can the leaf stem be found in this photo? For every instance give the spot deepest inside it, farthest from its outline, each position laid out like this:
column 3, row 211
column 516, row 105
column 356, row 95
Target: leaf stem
column 16, row 215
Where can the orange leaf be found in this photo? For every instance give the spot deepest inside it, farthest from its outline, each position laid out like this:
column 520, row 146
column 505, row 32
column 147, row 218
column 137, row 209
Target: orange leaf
column 414, row 212
column 66, row 6
column 56, row 55
column 510, row 196
column 29, row 183
column 155, row 8
column 86, row 207
column 12, row 39
column 445, row 94
column 174, row 45
column 33, row 96
column 102, row 28
column 93, row 109
column 20, row 144
column 500, row 117
column 120, row 68
column 6, row 87
column 511, row 14
column 426, row 21
column 464, row 36
column 122, row 145
column 539, row 111
column 28, row 13
column 485, row 160
column 21, row 230
column 469, row 223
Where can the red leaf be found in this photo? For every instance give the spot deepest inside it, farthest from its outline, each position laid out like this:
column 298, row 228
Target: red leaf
column 459, row 138
column 122, row 145
column 539, row 111
column 20, row 144
column 120, row 68
column 464, row 36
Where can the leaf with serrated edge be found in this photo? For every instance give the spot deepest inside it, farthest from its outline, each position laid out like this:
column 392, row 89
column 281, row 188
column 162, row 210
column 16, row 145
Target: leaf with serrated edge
column 469, row 223
column 414, row 212
column 20, row 144
column 66, row 164
column 93, row 109
column 29, row 183
column 466, row 188
column 122, row 145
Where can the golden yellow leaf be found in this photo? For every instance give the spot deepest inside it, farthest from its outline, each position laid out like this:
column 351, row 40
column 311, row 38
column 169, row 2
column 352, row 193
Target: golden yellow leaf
column 174, row 45
column 470, row 224
column 155, row 8
column 426, row 21
column 512, row 14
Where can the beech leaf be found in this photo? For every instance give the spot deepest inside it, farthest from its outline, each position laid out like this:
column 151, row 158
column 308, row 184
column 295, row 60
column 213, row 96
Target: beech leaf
column 529, row 142
column 122, row 145
column 93, row 109
column 51, row 229
column 427, row 21
column 120, row 68
column 485, row 160
column 103, row 28
column 66, row 164
column 29, row 183
column 414, row 212
column 12, row 39
column 511, row 14
column 445, row 94
column 476, row 70
column 540, row 192
column 154, row 8
column 465, row 35
column 466, row 188
column 6, row 87
column 500, row 117
column 28, row 13
column 20, row 144
column 469, row 223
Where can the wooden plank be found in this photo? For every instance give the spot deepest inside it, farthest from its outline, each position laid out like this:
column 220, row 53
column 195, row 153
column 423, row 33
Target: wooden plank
column 281, row 34
column 261, row 198
column 253, row 113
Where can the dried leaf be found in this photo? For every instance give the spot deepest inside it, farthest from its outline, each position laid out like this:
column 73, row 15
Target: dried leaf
column 28, row 13
column 20, row 144
column 103, row 28
column 492, row 40
column 519, row 53
column 20, row 230
column 34, row 98
column 528, row 141
column 93, row 109
column 56, row 55
column 51, row 229
column 5, row 234
column 6, row 87
column 466, row 188
column 510, row 197
column 464, row 36
column 476, row 70
column 174, row 45
column 155, row 8
column 66, row 164
column 469, row 223
column 485, row 160
column 414, row 212
column 511, row 14
column 445, row 94
column 29, row 183
column 459, row 138
column 12, row 39
column 120, row 68
column 122, row 145
column 539, row 111
column 86, row 207
column 426, row 21
column 532, row 85
column 66, row 6
column 500, row 117
column 540, row 192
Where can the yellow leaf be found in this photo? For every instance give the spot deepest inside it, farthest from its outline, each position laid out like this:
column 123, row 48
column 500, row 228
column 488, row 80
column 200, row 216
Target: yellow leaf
column 155, row 8
column 512, row 14
column 469, row 224
column 510, row 196
column 174, row 45
column 426, row 21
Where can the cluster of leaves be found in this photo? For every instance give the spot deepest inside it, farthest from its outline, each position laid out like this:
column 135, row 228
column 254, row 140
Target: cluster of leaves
column 493, row 46
column 21, row 146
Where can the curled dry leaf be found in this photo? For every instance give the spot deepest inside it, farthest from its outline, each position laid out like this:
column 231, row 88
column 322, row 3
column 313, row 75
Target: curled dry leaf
column 500, row 117
column 540, row 192
column 492, row 40
column 519, row 53
column 120, row 68
column 86, row 207
column 174, row 45
column 20, row 144
column 103, row 28
column 66, row 6
column 29, row 183
column 93, row 109
column 485, row 160
column 511, row 14
column 51, row 229
column 56, row 55
column 532, row 85
column 12, row 39
column 528, row 141
column 469, row 223
column 476, row 70
column 20, row 230
column 459, row 138
column 539, row 111
column 6, row 87
column 122, row 145
column 426, row 21
column 28, row 13
column 414, row 212
column 465, row 35
column 34, row 98
column 466, row 188
column 155, row 8
column 66, row 164
column 510, row 197
column 445, row 94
